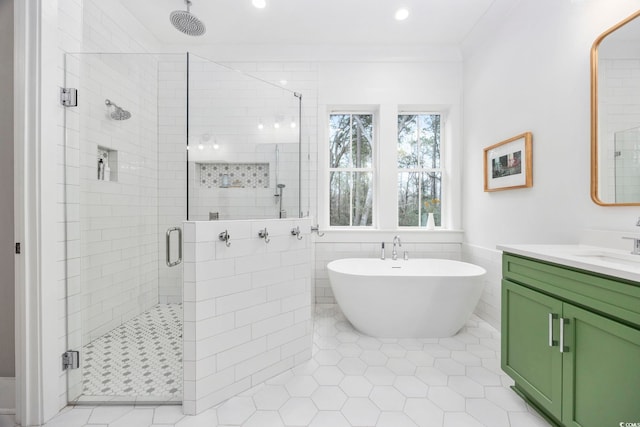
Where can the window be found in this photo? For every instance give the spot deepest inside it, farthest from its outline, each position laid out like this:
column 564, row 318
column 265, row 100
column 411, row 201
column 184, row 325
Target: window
column 351, row 169
column 419, row 169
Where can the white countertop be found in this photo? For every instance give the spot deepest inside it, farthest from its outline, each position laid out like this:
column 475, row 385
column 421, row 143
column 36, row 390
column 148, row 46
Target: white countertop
column 597, row 259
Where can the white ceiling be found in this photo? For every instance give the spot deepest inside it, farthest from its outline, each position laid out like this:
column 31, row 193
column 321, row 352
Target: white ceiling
column 328, row 22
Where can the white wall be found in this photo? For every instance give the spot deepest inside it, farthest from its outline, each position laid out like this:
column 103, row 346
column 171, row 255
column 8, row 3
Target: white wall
column 531, row 73
column 387, row 89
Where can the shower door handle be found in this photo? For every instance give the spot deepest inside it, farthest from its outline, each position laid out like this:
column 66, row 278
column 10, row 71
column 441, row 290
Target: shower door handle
column 179, row 260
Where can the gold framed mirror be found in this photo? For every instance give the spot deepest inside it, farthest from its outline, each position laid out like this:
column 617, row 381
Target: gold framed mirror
column 615, row 115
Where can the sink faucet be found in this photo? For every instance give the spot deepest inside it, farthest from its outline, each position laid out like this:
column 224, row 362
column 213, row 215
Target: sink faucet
column 636, row 245
column 394, row 253
column 636, row 241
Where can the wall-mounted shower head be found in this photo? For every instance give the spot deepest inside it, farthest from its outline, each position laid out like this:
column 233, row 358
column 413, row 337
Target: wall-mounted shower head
column 118, row 113
column 186, row 22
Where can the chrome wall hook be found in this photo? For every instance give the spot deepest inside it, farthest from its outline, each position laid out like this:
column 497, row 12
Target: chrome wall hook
column 296, row 232
column 316, row 229
column 264, row 234
column 225, row 237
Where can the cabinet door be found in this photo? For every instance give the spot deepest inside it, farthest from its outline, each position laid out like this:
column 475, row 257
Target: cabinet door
column 527, row 356
column 601, row 371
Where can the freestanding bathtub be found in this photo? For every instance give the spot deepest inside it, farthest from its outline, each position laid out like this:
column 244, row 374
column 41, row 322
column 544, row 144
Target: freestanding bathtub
column 416, row 298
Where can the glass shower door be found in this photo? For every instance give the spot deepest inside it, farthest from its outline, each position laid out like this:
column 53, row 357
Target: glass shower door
column 125, row 188
column 244, row 145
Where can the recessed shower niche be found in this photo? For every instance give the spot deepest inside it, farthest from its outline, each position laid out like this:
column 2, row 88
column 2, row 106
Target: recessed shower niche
column 107, row 166
column 233, row 175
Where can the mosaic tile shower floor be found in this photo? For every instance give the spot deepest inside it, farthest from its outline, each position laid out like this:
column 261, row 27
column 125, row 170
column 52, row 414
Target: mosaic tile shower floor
column 142, row 357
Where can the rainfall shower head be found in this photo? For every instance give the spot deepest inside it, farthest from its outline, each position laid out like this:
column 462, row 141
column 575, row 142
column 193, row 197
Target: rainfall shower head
column 118, row 113
column 186, row 22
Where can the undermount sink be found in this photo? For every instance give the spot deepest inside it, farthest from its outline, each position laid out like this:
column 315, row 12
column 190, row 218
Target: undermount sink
column 610, row 257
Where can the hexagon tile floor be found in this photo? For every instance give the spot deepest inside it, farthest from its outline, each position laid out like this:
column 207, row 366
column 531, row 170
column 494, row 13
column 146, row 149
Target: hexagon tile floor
column 356, row 380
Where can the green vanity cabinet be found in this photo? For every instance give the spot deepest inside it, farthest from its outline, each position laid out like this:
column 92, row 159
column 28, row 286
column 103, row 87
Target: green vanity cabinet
column 571, row 342
column 526, row 357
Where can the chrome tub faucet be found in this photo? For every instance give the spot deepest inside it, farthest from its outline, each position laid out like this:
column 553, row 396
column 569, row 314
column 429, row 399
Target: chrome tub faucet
column 396, row 243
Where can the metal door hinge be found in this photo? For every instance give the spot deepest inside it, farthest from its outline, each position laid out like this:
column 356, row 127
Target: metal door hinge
column 70, row 360
column 18, row 249
column 69, row 96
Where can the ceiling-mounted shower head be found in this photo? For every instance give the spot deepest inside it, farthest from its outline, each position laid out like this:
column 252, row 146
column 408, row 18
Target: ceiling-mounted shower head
column 186, row 22
column 118, row 113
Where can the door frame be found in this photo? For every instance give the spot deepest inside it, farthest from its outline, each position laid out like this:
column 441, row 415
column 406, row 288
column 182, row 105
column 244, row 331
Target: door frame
column 30, row 391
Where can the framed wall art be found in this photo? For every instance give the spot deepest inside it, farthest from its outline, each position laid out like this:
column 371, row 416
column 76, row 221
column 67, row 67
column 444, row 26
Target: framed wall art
column 509, row 164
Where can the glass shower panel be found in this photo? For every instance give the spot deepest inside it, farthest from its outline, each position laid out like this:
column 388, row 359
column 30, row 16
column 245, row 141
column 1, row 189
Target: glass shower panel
column 125, row 176
column 244, row 145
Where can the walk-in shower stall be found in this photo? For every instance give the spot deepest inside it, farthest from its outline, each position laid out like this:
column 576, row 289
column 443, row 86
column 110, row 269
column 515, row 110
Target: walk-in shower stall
column 155, row 140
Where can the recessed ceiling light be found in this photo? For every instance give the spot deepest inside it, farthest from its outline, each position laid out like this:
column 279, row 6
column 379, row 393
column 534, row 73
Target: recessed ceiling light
column 259, row 4
column 401, row 14
column 283, row 82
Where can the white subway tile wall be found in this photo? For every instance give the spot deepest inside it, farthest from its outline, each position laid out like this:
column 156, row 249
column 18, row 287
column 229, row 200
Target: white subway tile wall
column 118, row 220
column 488, row 307
column 301, row 77
column 247, row 306
column 225, row 109
column 87, row 306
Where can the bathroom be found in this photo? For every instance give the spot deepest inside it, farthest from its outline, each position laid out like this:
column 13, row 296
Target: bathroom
column 524, row 67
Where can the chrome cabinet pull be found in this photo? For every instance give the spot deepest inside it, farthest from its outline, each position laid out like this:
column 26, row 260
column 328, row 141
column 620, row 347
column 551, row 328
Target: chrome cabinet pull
column 552, row 342
column 562, row 347
column 179, row 260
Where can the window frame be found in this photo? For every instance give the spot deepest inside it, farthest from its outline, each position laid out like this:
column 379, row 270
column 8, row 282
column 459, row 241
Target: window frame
column 373, row 169
column 441, row 169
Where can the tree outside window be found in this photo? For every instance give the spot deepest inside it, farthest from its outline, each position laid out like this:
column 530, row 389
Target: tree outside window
column 419, row 169
column 350, row 169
